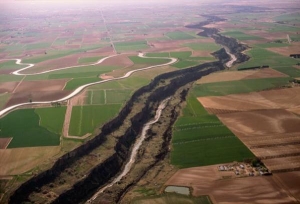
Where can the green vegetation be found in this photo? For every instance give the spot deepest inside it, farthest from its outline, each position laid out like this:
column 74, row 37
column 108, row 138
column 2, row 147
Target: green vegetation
column 3, row 99
column 11, row 64
column 158, row 54
column 290, row 71
column 204, row 46
column 261, row 57
column 139, row 60
column 95, row 97
column 200, row 139
column 10, row 77
column 23, row 126
column 240, row 35
column 290, row 18
column 241, row 86
column 34, row 46
column 85, row 119
column 75, row 83
column 178, row 35
column 135, row 45
column 52, row 118
column 272, row 44
column 169, row 198
column 185, row 64
column 117, row 96
column 181, row 55
column 86, row 60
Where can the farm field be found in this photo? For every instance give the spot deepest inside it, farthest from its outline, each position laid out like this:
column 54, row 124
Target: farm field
column 85, row 119
column 222, row 185
column 24, row 127
column 229, row 116
column 263, row 122
column 199, row 139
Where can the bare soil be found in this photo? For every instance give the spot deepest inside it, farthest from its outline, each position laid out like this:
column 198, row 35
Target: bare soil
column 239, row 75
column 23, row 97
column 224, row 189
column 4, row 142
column 19, row 160
column 8, row 86
column 45, row 85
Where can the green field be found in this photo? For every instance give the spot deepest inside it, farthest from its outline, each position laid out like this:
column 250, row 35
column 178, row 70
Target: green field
column 240, row 35
column 75, row 83
column 34, row 46
column 85, row 119
column 204, row 46
column 261, row 57
column 201, row 139
column 185, row 64
column 52, row 118
column 11, row 64
column 158, row 54
column 134, row 46
column 4, row 98
column 181, row 55
column 178, row 35
column 272, row 44
column 236, row 87
column 23, row 126
column 117, row 96
column 95, row 97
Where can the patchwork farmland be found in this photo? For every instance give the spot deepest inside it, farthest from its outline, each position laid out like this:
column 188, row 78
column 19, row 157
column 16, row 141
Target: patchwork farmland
column 72, row 106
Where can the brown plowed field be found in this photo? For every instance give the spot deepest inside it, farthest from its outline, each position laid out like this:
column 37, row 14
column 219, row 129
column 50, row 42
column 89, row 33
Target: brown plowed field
column 19, row 160
column 276, row 151
column 120, row 60
column 8, row 86
column 47, row 85
column 294, row 48
column 208, row 181
column 282, row 163
column 4, row 142
column 291, row 180
column 281, row 98
column 23, row 97
column 262, row 122
column 278, row 128
column 239, row 75
column 272, row 140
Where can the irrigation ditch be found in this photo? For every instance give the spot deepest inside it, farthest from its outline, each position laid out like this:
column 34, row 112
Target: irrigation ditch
column 77, row 176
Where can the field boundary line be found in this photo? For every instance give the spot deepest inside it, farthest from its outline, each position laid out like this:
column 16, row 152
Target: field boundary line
column 18, row 84
column 199, row 127
column 92, row 95
column 204, row 139
column 104, row 96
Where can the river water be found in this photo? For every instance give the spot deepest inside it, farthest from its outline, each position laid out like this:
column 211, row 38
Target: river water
column 135, row 149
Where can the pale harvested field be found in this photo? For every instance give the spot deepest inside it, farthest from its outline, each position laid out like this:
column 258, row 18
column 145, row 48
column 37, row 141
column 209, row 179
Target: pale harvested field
column 4, row 142
column 208, row 181
column 45, row 85
column 272, row 99
column 19, row 160
column 239, row 75
column 272, row 135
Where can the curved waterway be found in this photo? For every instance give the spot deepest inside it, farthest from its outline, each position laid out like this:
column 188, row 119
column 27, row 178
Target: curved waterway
column 134, row 151
column 232, row 58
